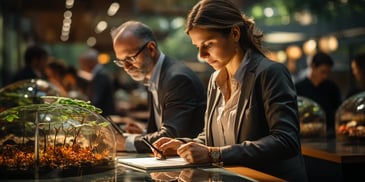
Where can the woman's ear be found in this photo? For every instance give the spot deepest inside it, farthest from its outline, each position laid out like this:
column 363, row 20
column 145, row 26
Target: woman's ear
column 236, row 33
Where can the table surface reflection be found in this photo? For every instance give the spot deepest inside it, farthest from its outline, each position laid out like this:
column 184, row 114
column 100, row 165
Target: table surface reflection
column 124, row 173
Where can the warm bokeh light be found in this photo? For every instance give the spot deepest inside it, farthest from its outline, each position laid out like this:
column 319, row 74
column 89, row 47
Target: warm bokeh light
column 309, row 47
column 281, row 56
column 103, row 58
column 283, row 37
column 113, row 9
column 328, row 44
column 69, row 4
column 101, row 26
column 91, row 41
column 293, row 52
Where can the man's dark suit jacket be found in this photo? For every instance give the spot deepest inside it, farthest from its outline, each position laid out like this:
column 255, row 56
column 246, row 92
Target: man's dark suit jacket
column 182, row 98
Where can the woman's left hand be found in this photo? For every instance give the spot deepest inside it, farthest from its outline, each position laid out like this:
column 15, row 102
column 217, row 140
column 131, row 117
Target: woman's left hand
column 194, row 152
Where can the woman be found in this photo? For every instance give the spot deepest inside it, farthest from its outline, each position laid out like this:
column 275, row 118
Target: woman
column 252, row 115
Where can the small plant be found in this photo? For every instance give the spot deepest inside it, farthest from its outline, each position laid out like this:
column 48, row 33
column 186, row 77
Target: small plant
column 60, row 133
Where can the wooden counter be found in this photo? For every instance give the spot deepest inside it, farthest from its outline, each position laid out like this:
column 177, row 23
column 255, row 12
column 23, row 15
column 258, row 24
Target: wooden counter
column 257, row 175
column 333, row 151
column 331, row 160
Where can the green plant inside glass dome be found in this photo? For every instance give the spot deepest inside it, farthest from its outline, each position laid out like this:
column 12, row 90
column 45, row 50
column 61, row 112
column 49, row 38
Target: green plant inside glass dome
column 62, row 134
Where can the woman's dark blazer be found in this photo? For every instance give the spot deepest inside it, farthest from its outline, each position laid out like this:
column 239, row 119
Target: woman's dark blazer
column 266, row 135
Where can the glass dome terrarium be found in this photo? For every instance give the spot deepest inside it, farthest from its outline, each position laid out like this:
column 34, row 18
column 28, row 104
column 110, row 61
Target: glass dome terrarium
column 25, row 92
column 350, row 119
column 58, row 137
column 312, row 119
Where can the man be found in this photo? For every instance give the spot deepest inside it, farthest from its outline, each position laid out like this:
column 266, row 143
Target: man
column 100, row 90
column 36, row 58
column 177, row 96
column 318, row 87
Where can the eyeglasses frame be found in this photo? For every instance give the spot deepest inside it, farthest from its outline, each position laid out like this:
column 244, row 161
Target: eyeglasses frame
column 130, row 59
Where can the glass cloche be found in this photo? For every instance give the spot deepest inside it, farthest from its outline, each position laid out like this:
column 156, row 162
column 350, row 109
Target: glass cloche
column 350, row 119
column 57, row 137
column 25, row 92
column 312, row 119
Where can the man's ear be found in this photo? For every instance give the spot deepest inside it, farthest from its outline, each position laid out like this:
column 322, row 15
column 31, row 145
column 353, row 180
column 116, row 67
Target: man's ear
column 152, row 48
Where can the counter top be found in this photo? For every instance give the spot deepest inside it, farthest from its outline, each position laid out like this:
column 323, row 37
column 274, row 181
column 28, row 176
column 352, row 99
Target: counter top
column 257, row 175
column 335, row 151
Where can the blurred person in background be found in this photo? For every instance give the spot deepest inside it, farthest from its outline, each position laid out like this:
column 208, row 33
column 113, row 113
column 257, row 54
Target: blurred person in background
column 252, row 113
column 100, row 90
column 75, row 85
column 56, row 71
column 318, row 87
column 358, row 70
column 35, row 58
column 176, row 95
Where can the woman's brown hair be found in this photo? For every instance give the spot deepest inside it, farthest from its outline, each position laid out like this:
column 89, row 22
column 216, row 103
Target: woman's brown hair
column 221, row 16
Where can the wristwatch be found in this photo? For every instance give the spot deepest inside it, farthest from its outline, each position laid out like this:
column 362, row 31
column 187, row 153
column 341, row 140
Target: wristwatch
column 215, row 154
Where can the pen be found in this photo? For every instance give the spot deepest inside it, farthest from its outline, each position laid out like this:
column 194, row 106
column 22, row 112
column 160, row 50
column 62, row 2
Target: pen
column 163, row 157
column 115, row 126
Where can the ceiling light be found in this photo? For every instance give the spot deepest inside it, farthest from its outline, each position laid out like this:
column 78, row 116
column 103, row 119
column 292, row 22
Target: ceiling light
column 67, row 22
column 328, row 44
column 310, row 47
column 64, row 38
column 281, row 56
column 101, row 26
column 293, row 52
column 67, row 14
column 269, row 12
column 69, row 4
column 283, row 37
column 353, row 32
column 113, row 9
column 91, row 41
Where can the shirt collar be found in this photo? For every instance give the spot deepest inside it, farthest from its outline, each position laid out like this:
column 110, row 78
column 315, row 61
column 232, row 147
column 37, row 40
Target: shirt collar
column 243, row 66
column 155, row 77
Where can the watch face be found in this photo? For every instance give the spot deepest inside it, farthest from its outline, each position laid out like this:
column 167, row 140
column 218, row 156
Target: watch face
column 215, row 155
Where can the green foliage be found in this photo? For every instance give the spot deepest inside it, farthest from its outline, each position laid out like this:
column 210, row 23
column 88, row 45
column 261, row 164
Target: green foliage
column 323, row 8
column 75, row 102
column 11, row 116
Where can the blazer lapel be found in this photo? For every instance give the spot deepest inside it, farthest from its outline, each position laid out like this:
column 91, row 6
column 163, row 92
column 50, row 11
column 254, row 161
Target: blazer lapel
column 213, row 101
column 248, row 81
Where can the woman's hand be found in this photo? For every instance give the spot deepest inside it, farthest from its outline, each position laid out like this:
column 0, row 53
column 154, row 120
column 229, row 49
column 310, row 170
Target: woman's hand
column 194, row 152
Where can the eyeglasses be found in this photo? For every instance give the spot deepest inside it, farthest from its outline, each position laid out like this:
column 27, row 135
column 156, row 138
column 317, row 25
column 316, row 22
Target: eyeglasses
column 129, row 59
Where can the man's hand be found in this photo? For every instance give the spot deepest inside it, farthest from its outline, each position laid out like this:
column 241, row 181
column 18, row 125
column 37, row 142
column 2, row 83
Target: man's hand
column 120, row 142
column 132, row 127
